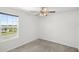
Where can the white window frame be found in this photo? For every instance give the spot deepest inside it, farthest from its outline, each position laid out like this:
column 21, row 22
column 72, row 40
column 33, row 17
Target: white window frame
column 3, row 38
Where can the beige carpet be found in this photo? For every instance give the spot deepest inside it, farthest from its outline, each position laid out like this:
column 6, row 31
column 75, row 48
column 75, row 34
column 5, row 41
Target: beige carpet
column 44, row 46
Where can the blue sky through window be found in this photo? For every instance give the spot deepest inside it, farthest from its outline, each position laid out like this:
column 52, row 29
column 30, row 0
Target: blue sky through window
column 8, row 19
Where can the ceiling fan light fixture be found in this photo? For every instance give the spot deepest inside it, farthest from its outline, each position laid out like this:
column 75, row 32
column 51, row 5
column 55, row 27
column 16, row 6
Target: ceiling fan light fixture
column 44, row 11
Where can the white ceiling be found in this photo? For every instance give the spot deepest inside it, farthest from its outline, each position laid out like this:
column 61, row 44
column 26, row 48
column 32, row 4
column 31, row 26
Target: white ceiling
column 36, row 10
column 50, row 8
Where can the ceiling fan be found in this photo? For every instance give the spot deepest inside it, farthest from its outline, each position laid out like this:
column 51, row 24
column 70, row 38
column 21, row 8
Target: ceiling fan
column 44, row 11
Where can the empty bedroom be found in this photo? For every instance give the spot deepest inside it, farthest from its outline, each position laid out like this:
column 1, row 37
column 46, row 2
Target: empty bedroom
column 39, row 29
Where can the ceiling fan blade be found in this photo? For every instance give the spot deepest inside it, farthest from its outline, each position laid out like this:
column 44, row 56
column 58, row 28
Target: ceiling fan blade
column 51, row 11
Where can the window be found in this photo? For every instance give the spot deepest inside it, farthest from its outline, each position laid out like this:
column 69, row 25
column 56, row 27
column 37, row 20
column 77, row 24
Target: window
column 8, row 24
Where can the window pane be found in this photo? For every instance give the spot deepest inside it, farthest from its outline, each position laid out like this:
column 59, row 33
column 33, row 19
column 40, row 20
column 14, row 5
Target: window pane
column 3, row 19
column 15, row 21
column 10, row 18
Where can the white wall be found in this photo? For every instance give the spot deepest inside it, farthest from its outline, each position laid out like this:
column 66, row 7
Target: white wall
column 61, row 28
column 77, row 44
column 27, row 29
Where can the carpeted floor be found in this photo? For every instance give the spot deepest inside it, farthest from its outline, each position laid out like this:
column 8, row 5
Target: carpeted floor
column 44, row 46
